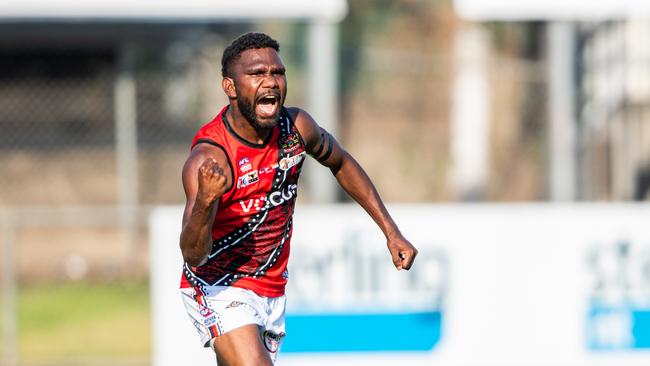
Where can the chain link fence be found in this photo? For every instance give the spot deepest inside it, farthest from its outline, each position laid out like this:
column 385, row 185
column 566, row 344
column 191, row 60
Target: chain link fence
column 58, row 132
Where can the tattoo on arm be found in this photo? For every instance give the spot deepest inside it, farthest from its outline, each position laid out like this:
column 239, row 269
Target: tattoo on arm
column 328, row 151
column 319, row 154
column 320, row 147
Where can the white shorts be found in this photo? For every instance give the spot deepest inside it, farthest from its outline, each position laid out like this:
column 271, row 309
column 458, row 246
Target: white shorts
column 215, row 310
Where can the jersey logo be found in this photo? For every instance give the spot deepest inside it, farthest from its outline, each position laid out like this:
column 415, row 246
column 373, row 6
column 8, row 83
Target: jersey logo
column 252, row 203
column 248, row 179
column 254, row 176
column 276, row 198
column 268, row 169
column 245, row 165
column 289, row 142
column 290, row 162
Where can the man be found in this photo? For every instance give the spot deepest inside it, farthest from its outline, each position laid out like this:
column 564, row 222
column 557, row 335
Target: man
column 240, row 182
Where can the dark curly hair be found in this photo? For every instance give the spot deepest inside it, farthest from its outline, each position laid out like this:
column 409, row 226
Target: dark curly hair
column 242, row 43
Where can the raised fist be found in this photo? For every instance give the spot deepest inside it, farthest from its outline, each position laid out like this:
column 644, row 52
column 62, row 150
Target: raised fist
column 212, row 181
column 402, row 252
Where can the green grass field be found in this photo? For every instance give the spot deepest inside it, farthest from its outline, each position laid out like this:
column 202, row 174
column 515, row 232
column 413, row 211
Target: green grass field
column 84, row 321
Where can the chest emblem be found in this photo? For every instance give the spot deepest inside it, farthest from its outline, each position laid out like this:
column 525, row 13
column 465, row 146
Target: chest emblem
column 290, row 162
column 248, row 179
column 244, row 165
column 289, row 142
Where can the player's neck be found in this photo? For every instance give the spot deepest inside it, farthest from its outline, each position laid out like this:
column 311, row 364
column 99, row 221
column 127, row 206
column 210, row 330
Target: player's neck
column 244, row 128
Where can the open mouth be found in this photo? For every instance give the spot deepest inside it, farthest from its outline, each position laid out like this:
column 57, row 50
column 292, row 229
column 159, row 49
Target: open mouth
column 268, row 105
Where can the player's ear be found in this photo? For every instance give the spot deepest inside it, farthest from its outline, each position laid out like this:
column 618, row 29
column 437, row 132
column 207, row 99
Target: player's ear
column 228, row 86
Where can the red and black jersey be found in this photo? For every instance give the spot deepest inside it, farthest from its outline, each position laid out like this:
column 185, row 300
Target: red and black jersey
column 252, row 228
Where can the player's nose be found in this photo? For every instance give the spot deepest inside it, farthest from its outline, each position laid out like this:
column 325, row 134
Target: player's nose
column 270, row 81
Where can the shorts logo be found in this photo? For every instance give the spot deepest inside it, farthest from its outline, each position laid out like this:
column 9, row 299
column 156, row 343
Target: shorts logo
column 206, row 311
column 234, row 304
column 272, row 341
column 210, row 321
column 209, row 317
column 245, row 165
column 289, row 142
column 248, row 179
column 285, row 274
column 290, row 162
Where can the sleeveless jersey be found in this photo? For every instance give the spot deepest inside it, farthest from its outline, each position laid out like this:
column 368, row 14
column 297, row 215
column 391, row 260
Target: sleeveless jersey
column 252, row 227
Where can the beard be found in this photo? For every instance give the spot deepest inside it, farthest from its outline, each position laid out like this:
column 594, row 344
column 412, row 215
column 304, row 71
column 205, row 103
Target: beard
column 247, row 109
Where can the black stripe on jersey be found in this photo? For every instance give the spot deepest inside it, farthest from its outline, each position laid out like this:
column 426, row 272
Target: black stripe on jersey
column 328, row 152
column 232, row 171
column 190, row 276
column 292, row 125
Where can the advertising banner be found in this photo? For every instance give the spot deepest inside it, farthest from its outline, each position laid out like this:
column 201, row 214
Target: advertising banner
column 502, row 285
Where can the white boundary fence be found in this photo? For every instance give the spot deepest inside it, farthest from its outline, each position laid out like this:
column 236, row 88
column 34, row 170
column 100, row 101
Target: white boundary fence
column 514, row 285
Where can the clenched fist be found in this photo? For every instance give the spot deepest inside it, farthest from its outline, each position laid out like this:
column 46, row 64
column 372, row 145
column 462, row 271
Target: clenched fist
column 402, row 252
column 212, row 181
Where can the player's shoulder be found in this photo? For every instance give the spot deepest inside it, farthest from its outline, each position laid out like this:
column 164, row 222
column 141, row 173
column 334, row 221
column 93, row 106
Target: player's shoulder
column 299, row 115
column 305, row 124
column 203, row 151
column 293, row 112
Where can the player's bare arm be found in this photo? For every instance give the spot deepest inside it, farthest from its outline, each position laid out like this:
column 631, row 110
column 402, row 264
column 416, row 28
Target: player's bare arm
column 353, row 179
column 206, row 177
